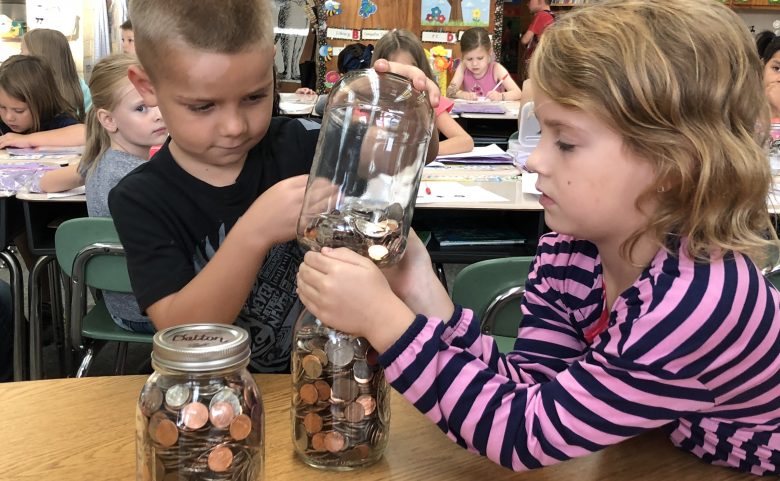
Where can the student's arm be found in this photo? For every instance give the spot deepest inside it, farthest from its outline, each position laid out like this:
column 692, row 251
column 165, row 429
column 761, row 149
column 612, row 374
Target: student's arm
column 527, row 37
column 512, row 89
column 70, row 136
column 458, row 140
column 454, row 91
column 62, row 179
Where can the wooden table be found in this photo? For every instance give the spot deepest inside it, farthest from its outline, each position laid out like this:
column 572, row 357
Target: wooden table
column 83, row 429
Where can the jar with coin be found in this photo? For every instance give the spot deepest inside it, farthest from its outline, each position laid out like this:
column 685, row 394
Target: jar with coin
column 200, row 414
column 341, row 403
column 367, row 166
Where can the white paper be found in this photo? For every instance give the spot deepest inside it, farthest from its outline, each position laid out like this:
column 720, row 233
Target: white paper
column 68, row 193
column 448, row 192
column 528, row 182
column 491, row 150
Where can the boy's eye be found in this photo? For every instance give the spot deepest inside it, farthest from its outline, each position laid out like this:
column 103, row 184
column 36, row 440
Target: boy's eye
column 201, row 107
column 564, row 147
column 255, row 98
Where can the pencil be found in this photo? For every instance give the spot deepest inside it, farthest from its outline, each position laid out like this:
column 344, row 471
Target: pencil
column 500, row 82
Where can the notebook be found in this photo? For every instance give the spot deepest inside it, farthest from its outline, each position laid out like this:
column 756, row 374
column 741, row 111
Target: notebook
column 478, row 108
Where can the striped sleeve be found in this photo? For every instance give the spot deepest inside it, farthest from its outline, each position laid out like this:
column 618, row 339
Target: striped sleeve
column 588, row 406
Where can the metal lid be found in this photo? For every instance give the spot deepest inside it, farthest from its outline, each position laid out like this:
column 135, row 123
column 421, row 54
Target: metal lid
column 200, row 347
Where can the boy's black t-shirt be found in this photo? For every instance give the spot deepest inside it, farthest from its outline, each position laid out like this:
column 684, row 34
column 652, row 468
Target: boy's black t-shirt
column 171, row 224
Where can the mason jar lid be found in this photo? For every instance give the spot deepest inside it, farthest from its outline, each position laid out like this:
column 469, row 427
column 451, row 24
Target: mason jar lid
column 200, row 347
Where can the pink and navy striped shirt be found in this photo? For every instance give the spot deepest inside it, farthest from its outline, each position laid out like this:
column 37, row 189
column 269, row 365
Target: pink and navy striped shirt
column 694, row 346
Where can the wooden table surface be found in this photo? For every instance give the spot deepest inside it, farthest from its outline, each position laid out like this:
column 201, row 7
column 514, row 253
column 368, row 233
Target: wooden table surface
column 83, row 429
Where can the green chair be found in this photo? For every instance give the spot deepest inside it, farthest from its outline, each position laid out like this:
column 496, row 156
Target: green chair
column 89, row 252
column 493, row 289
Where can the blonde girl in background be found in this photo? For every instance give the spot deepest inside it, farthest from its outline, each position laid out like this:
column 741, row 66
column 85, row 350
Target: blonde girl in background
column 478, row 73
column 403, row 47
column 33, row 113
column 120, row 131
column 646, row 306
column 53, row 46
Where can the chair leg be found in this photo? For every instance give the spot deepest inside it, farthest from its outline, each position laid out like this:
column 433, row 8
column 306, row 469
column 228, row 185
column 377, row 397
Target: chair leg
column 441, row 274
column 91, row 350
column 36, row 350
column 20, row 329
column 57, row 312
column 121, row 358
column 67, row 349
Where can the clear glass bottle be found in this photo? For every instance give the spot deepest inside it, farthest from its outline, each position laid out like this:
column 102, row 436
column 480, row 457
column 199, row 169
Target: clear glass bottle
column 367, row 166
column 361, row 194
column 774, row 147
column 200, row 414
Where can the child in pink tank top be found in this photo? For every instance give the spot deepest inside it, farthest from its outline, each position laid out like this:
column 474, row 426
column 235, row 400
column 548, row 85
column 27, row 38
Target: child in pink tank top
column 478, row 76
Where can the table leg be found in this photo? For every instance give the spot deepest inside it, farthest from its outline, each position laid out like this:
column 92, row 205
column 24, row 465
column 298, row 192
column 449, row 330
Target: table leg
column 20, row 333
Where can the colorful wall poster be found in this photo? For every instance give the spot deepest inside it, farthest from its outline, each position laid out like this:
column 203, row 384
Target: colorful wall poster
column 467, row 13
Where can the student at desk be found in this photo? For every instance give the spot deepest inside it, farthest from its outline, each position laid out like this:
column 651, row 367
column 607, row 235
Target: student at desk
column 646, row 307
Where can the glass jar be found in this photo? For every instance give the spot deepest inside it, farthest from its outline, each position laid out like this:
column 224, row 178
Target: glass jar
column 341, row 399
column 200, row 414
column 367, row 166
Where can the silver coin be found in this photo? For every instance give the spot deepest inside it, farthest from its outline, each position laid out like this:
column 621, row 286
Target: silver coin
column 377, row 252
column 362, row 372
column 229, row 396
column 371, row 229
column 151, row 399
column 177, row 396
column 395, row 212
column 339, row 351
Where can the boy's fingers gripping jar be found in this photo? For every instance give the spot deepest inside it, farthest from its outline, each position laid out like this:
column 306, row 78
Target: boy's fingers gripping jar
column 361, row 195
column 200, row 415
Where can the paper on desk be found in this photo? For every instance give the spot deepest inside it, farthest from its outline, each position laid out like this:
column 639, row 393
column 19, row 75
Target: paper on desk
column 528, row 183
column 490, row 152
column 68, row 193
column 446, row 192
column 296, row 108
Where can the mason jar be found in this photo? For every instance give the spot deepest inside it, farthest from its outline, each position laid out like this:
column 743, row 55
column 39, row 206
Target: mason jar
column 200, row 414
column 367, row 166
column 340, row 398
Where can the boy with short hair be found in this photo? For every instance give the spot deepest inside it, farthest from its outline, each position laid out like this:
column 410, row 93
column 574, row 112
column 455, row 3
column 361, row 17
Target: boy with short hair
column 128, row 39
column 209, row 223
column 543, row 18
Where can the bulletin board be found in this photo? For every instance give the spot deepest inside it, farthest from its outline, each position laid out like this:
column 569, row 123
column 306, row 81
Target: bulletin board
column 435, row 22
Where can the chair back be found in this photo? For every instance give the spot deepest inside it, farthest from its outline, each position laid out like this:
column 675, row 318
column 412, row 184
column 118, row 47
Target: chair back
column 91, row 245
column 493, row 289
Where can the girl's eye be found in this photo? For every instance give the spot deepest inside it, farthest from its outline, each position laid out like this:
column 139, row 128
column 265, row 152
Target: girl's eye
column 141, row 108
column 201, row 108
column 564, row 147
column 19, row 111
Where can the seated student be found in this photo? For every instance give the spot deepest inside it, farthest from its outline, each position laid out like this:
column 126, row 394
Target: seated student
column 33, row 113
column 53, row 46
column 479, row 76
column 403, row 47
column 209, row 223
column 769, row 50
column 128, row 39
column 645, row 307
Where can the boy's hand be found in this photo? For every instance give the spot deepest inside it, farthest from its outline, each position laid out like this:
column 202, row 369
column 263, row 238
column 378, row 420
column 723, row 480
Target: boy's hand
column 418, row 78
column 348, row 292
column 15, row 140
column 274, row 215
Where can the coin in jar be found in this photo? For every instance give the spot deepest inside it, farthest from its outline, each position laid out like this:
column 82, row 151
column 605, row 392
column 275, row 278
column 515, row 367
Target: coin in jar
column 339, row 351
column 151, row 399
column 318, row 441
column 177, row 396
column 220, row 459
column 240, row 427
column 334, row 441
column 395, row 212
column 312, row 366
column 163, row 430
column 309, row 394
column 323, row 389
column 320, row 354
column 377, row 252
column 229, row 396
column 361, row 372
column 344, row 390
column 368, row 403
column 354, row 412
column 313, row 423
column 221, row 414
column 194, row 415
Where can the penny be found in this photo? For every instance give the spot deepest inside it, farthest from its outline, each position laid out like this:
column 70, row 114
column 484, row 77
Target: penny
column 344, row 390
column 177, row 396
column 159, row 468
column 221, row 414
column 368, row 403
column 334, row 441
column 361, row 372
column 323, row 389
column 313, row 423
column 321, row 356
column 390, row 224
column 229, row 396
column 194, row 415
column 377, row 252
column 359, row 452
column 220, row 459
column 339, row 351
column 372, row 357
column 240, row 427
column 257, row 417
column 309, row 394
column 312, row 366
column 354, row 412
column 163, row 431
column 151, row 399
column 318, row 442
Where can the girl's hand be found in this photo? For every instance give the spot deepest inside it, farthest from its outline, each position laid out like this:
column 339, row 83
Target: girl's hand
column 418, row 78
column 468, row 95
column 495, row 96
column 348, row 292
column 15, row 140
column 305, row 91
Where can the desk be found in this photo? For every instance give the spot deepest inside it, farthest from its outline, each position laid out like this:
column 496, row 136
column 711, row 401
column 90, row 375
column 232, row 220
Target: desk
column 294, row 105
column 488, row 129
column 77, row 429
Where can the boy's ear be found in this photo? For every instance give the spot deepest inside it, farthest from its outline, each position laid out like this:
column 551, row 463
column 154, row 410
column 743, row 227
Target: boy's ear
column 107, row 120
column 143, row 84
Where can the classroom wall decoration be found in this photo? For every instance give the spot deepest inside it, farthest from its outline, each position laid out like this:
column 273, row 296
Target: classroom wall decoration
column 458, row 13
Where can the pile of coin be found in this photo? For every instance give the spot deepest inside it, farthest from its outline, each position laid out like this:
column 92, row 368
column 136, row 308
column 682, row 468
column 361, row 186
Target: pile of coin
column 201, row 429
column 376, row 234
column 340, row 409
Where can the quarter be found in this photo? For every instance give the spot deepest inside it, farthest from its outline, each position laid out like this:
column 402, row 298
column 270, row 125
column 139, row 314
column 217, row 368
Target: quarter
column 177, row 396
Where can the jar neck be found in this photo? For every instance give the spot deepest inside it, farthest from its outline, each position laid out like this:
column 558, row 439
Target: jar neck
column 163, row 369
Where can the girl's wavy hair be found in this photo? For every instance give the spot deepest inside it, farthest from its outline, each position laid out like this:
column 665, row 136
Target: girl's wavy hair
column 401, row 40
column 107, row 82
column 680, row 81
